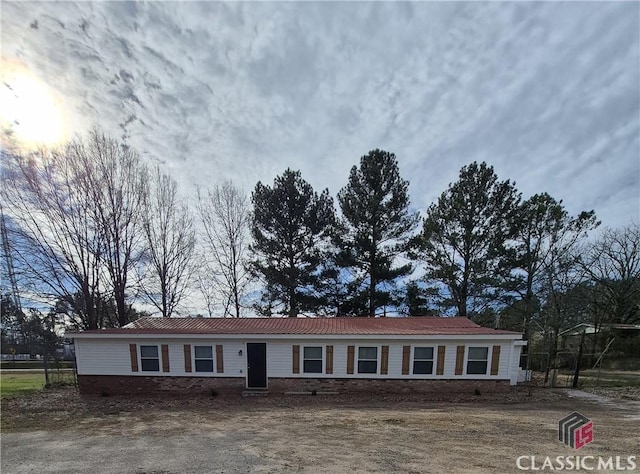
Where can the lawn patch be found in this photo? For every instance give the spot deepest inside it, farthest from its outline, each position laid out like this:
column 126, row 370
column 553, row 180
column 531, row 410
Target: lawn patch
column 14, row 384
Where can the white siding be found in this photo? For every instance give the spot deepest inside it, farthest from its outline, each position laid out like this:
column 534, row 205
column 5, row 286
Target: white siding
column 112, row 357
column 101, row 356
column 280, row 358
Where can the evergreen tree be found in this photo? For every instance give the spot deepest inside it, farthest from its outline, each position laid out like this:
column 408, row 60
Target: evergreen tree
column 378, row 226
column 543, row 230
column 465, row 232
column 291, row 227
column 418, row 300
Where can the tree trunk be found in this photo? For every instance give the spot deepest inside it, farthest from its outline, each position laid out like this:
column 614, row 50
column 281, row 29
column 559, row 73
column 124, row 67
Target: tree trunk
column 45, row 365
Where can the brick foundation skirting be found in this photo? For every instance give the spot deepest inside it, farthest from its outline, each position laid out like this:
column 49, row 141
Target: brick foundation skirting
column 146, row 385
column 386, row 385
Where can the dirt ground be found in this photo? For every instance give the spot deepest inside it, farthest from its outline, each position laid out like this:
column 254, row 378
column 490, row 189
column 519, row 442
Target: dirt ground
column 59, row 431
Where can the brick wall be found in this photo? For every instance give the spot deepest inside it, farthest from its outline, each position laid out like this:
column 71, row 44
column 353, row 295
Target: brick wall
column 386, row 386
column 126, row 385
column 121, row 385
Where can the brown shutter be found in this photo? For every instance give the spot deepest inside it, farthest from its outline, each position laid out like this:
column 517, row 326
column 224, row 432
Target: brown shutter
column 165, row 358
column 133, row 351
column 219, row 359
column 384, row 363
column 495, row 360
column 187, row 357
column 459, row 360
column 406, row 355
column 329, row 362
column 350, row 357
column 440, row 363
column 296, row 359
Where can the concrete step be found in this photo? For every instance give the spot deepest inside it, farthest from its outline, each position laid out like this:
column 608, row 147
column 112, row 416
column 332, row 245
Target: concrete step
column 255, row 392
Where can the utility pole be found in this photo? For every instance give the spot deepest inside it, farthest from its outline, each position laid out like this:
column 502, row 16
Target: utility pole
column 6, row 248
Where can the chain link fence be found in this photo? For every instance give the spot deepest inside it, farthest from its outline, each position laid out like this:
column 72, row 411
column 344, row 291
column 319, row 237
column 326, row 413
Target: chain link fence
column 600, row 369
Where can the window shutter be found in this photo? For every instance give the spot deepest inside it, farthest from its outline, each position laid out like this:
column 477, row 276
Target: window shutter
column 350, row 356
column 495, row 360
column 165, row 358
column 219, row 359
column 384, row 363
column 296, row 359
column 440, row 363
column 133, row 351
column 329, row 363
column 406, row 355
column 459, row 360
column 187, row 357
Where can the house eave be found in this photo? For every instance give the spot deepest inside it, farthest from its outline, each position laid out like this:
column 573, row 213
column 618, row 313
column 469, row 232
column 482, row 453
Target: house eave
column 391, row 337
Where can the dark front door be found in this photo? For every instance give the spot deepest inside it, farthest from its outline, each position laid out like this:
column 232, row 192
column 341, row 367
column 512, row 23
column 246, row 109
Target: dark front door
column 256, row 365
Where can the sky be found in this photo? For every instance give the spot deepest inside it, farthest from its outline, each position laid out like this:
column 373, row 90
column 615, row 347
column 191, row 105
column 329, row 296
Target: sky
column 548, row 93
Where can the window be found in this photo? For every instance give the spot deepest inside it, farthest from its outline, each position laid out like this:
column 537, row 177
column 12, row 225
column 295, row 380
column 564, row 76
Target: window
column 203, row 358
column 367, row 360
column 423, row 360
column 149, row 359
column 477, row 360
column 312, row 360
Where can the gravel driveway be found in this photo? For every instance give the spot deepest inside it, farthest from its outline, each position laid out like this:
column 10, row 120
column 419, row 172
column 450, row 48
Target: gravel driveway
column 305, row 435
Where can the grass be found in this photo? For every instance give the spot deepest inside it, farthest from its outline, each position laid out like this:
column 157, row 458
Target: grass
column 605, row 378
column 13, row 384
column 609, row 378
column 27, row 382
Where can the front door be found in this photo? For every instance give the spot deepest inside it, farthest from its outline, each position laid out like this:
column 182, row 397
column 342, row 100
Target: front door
column 256, row 365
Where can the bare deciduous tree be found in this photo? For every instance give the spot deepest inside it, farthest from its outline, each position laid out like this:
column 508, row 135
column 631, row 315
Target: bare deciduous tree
column 78, row 227
column 613, row 263
column 168, row 227
column 225, row 216
column 117, row 185
column 55, row 237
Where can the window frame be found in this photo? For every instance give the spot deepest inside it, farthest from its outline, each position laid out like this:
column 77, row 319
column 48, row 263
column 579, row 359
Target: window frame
column 212, row 359
column 487, row 360
column 377, row 359
column 322, row 358
column 156, row 358
column 433, row 360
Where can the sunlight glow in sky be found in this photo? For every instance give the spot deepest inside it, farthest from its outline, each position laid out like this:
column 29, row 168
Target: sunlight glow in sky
column 29, row 110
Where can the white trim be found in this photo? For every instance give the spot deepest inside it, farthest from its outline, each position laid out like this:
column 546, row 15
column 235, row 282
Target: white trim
column 139, row 355
column 263, row 337
column 213, row 358
column 487, row 372
column 356, row 370
column 434, row 360
column 323, row 356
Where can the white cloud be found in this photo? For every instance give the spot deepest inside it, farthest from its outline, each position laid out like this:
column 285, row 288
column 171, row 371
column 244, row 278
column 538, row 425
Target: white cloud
column 546, row 92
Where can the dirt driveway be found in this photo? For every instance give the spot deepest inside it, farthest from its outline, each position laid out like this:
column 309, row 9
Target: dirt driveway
column 305, row 435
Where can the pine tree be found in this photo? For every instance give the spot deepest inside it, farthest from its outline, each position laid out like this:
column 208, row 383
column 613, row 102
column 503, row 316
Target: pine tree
column 465, row 232
column 291, row 227
column 378, row 226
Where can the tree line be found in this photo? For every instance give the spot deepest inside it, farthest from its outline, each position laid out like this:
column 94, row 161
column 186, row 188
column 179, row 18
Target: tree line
column 96, row 229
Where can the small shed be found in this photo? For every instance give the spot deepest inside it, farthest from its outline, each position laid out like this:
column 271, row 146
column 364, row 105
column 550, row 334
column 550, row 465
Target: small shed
column 280, row 355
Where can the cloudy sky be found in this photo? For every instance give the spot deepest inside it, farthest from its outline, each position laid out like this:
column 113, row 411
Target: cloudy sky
column 548, row 93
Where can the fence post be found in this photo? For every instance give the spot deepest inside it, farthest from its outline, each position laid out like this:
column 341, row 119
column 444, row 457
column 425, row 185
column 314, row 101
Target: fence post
column 577, row 372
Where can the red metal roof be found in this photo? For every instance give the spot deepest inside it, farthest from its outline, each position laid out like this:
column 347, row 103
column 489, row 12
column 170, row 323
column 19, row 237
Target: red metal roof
column 306, row 326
